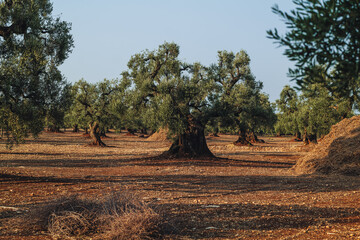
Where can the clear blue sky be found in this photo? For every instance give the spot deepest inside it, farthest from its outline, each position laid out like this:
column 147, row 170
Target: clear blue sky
column 107, row 33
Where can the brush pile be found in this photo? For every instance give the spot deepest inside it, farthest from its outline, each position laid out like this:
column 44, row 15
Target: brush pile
column 161, row 135
column 118, row 216
column 337, row 153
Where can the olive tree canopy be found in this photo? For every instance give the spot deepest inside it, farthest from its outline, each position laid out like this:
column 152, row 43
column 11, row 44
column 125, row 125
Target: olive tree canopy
column 324, row 33
column 33, row 44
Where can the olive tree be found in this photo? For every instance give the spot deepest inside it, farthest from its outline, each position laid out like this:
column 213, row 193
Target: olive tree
column 97, row 106
column 179, row 91
column 310, row 115
column 318, row 111
column 324, row 33
column 185, row 97
column 240, row 102
column 288, row 107
column 32, row 46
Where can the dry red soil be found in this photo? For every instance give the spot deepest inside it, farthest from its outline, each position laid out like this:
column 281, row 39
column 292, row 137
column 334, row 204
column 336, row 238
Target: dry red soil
column 247, row 193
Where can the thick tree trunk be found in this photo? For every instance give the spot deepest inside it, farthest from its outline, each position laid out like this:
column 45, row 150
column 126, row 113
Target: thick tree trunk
column 103, row 132
column 215, row 133
column 298, row 136
column 243, row 139
column 76, row 128
column 95, row 136
column 54, row 129
column 192, row 143
column 131, row 131
column 252, row 137
column 309, row 138
column 143, row 131
column 246, row 138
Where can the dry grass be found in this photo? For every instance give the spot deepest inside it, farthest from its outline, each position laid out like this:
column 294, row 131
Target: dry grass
column 337, row 153
column 161, row 135
column 117, row 216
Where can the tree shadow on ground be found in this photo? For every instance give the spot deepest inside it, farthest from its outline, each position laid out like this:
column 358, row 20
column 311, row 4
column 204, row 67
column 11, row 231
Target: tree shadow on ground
column 199, row 186
column 133, row 160
column 199, row 221
column 223, row 221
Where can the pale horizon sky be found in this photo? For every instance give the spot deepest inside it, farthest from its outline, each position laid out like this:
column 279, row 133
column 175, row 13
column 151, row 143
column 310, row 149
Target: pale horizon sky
column 107, row 33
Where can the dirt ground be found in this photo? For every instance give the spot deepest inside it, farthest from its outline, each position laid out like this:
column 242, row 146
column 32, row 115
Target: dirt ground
column 248, row 193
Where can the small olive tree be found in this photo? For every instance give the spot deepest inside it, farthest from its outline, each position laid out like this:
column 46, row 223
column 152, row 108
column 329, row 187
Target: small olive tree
column 97, row 106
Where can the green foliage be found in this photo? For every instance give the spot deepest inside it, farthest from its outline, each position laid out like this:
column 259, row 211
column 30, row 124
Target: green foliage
column 175, row 95
column 172, row 92
column 314, row 112
column 324, row 33
column 318, row 111
column 32, row 46
column 288, row 106
column 59, row 104
column 103, row 102
column 83, row 95
column 239, row 100
column 18, row 127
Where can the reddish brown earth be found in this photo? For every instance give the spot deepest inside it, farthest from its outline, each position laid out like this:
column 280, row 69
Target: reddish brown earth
column 248, row 193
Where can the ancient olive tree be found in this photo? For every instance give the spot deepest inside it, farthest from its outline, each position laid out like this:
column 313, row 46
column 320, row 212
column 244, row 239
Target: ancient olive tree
column 96, row 106
column 185, row 97
column 32, row 45
column 179, row 91
column 324, row 33
column 240, row 102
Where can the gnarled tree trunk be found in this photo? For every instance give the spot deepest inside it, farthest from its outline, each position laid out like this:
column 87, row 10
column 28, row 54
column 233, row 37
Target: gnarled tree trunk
column 143, row 131
column 192, row 143
column 243, row 139
column 103, row 133
column 95, row 135
column 215, row 132
column 76, row 128
column 131, row 132
column 253, row 138
column 55, row 129
column 246, row 138
column 309, row 138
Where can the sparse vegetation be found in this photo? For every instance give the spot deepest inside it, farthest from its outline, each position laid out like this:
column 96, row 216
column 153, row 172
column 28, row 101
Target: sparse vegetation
column 117, row 216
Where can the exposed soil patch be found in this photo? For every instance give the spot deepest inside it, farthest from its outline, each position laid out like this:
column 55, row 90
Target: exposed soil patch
column 249, row 192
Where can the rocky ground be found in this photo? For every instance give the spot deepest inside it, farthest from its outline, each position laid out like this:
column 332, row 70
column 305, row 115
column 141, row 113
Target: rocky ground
column 247, row 193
